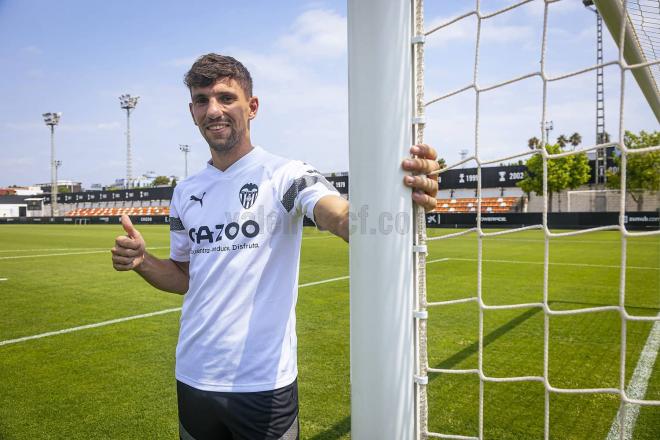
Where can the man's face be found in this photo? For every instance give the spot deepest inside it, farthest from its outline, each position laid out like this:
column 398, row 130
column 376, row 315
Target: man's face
column 222, row 112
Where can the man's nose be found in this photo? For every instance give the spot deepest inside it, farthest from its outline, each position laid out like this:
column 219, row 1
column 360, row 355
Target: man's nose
column 215, row 109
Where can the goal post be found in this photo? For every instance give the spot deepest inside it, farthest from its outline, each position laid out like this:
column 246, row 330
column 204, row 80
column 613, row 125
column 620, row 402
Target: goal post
column 616, row 19
column 381, row 259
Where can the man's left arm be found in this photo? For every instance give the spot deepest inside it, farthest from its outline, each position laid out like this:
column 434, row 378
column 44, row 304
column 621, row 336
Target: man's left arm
column 331, row 212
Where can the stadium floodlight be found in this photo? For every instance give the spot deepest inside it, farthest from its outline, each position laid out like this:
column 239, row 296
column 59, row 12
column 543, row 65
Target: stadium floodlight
column 464, row 154
column 128, row 103
column 186, row 149
column 52, row 119
column 548, row 126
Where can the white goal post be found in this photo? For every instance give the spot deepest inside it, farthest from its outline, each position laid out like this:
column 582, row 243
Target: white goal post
column 617, row 20
column 381, row 257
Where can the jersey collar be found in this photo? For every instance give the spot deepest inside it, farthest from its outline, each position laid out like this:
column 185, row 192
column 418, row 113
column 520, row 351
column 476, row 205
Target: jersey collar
column 240, row 165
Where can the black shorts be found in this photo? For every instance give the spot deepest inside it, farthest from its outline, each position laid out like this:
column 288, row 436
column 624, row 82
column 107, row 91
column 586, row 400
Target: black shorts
column 265, row 415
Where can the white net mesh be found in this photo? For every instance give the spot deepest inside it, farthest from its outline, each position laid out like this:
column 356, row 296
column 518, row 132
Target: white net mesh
column 645, row 17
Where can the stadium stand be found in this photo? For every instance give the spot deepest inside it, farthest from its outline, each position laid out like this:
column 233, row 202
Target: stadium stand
column 488, row 204
column 105, row 211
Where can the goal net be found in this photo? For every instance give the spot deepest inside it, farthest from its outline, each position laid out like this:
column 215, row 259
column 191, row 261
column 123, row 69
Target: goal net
column 633, row 25
column 567, row 312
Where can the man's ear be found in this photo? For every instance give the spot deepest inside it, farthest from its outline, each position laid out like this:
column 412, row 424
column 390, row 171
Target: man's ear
column 254, row 107
column 191, row 113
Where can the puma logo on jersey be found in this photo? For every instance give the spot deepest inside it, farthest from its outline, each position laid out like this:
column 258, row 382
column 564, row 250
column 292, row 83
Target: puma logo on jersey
column 199, row 199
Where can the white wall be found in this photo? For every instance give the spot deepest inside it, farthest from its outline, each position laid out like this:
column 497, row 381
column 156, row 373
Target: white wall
column 10, row 210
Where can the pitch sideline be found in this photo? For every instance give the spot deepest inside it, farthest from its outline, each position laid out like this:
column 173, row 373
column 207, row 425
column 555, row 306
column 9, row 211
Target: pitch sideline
column 130, row 318
column 148, row 315
column 637, row 387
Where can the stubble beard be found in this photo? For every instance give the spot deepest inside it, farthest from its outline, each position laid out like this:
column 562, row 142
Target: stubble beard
column 228, row 144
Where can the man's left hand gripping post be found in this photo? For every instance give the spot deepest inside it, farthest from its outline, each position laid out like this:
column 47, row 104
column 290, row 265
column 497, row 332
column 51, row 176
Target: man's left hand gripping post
column 424, row 179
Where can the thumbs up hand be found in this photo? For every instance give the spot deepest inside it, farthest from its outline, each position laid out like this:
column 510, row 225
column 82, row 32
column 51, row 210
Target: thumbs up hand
column 128, row 252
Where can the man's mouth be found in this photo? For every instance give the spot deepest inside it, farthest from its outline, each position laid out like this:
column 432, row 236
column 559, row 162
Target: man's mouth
column 218, row 126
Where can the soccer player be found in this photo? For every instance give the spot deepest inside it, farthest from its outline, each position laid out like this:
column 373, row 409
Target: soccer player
column 235, row 234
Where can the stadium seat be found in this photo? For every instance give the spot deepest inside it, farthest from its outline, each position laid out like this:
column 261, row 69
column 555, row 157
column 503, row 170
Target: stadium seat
column 488, row 204
column 109, row 212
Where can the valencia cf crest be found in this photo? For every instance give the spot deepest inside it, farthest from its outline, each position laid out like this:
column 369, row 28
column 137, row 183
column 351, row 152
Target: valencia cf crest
column 248, row 195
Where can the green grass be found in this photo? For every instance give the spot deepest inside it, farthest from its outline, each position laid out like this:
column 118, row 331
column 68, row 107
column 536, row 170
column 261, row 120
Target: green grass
column 117, row 381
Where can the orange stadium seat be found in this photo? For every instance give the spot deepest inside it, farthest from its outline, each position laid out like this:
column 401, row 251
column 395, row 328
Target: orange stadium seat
column 109, row 212
column 469, row 204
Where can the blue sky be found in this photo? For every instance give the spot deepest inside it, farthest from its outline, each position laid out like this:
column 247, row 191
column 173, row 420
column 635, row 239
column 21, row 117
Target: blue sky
column 77, row 57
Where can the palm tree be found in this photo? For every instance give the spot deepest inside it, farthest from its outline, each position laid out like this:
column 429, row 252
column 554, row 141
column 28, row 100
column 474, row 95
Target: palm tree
column 533, row 143
column 575, row 139
column 603, row 138
column 562, row 141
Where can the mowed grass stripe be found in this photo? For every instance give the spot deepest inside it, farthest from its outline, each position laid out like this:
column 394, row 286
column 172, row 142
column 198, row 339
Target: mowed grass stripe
column 130, row 318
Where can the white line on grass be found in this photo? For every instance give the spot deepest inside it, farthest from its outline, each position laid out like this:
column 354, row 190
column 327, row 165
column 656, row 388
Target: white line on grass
column 4, row 279
column 161, row 312
column 637, row 387
column 555, row 264
column 319, row 238
column 84, row 327
column 324, row 281
column 51, row 249
column 14, row 257
column 541, row 240
column 129, row 318
column 100, row 249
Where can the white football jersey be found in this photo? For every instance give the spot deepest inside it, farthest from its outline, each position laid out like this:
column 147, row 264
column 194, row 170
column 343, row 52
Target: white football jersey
column 241, row 231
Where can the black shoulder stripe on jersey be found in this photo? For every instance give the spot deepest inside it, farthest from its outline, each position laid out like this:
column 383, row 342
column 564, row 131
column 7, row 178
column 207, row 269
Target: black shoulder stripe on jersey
column 300, row 184
column 176, row 224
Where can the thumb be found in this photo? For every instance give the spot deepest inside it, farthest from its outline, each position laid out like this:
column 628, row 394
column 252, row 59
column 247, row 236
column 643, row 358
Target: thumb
column 128, row 226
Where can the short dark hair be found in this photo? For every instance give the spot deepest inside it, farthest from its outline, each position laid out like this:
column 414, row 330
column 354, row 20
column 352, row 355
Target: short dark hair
column 211, row 67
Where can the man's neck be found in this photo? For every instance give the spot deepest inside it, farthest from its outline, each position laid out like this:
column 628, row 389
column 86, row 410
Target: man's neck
column 225, row 159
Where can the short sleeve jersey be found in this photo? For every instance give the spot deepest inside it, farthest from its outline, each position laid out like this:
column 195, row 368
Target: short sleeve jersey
column 241, row 230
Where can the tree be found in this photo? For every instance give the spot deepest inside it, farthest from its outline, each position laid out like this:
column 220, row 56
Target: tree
column 562, row 141
column 564, row 172
column 642, row 169
column 603, row 138
column 442, row 163
column 161, row 181
column 533, row 143
column 575, row 139
column 174, row 182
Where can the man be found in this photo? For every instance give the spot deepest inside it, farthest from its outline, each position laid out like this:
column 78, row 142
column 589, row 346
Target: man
column 235, row 231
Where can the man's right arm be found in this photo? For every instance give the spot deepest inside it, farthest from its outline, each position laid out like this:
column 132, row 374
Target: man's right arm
column 129, row 253
column 168, row 275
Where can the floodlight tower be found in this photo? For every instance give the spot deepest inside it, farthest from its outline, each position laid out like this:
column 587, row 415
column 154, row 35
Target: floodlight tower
column 186, row 150
column 128, row 103
column 51, row 120
column 58, row 164
column 548, row 126
column 601, row 137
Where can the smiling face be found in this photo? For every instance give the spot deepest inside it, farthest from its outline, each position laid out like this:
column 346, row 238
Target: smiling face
column 223, row 112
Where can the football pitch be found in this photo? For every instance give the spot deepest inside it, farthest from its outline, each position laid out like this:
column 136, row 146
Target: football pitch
column 108, row 377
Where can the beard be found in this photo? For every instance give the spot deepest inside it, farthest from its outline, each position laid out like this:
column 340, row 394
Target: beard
column 227, row 144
